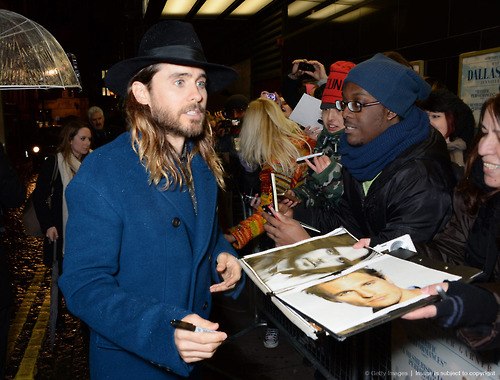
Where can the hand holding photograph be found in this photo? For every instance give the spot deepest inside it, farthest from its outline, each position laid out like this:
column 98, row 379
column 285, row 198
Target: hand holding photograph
column 364, row 295
column 324, row 285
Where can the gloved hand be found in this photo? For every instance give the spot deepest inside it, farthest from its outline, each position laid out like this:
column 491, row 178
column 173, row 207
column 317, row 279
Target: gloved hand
column 466, row 305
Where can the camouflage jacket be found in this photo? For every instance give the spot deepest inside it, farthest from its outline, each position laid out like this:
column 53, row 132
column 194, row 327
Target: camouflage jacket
column 323, row 189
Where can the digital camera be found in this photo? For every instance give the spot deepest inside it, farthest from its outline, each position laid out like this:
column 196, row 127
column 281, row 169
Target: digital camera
column 304, row 66
column 272, row 96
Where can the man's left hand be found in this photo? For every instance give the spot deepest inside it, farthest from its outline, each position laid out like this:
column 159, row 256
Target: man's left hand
column 230, row 270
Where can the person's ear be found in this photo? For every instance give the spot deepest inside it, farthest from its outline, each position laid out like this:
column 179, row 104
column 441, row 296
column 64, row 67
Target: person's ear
column 141, row 93
column 391, row 115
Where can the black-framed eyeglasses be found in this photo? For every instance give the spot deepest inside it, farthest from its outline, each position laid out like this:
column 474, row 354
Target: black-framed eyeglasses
column 353, row 105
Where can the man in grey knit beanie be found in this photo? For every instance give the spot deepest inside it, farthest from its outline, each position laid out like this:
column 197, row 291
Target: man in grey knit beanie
column 396, row 171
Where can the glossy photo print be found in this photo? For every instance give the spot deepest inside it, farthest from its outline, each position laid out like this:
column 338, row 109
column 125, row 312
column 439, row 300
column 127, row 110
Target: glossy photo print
column 364, row 292
column 290, row 266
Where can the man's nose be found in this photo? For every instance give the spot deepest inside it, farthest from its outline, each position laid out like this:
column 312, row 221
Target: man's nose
column 365, row 293
column 346, row 111
column 196, row 94
column 330, row 114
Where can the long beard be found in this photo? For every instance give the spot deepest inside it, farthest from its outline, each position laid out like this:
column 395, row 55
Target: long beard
column 170, row 122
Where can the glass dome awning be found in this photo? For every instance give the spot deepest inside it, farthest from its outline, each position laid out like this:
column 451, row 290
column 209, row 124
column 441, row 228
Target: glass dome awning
column 30, row 57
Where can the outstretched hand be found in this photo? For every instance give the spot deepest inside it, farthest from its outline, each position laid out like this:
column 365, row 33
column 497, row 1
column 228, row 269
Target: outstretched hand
column 428, row 311
column 463, row 305
column 229, row 269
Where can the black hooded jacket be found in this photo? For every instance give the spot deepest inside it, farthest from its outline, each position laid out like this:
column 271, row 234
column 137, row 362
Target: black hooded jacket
column 472, row 240
column 411, row 195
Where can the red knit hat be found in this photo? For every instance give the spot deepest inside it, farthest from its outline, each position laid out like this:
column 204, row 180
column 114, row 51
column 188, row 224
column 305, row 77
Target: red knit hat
column 333, row 88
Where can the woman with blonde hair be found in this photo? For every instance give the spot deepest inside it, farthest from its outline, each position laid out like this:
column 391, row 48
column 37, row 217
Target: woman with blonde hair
column 271, row 141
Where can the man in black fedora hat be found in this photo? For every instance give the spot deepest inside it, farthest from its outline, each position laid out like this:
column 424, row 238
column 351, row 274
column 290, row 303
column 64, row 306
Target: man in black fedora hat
column 143, row 245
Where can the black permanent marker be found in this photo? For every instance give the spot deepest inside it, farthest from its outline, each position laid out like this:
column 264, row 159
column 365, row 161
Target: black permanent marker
column 188, row 326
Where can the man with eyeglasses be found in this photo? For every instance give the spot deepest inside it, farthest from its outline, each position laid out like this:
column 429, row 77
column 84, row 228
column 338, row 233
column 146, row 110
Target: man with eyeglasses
column 396, row 171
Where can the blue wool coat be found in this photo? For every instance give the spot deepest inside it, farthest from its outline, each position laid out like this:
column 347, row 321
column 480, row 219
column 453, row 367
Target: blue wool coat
column 135, row 258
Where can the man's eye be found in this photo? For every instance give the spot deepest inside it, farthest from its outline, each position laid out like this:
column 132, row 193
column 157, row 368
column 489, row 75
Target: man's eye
column 202, row 84
column 179, row 82
column 341, row 294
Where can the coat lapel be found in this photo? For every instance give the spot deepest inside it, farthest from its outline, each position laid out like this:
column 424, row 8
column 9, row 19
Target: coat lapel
column 206, row 195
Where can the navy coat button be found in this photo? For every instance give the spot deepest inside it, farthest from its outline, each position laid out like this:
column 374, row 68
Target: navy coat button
column 176, row 222
column 205, row 306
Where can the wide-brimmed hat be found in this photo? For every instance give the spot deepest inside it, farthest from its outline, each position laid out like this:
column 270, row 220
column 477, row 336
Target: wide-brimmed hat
column 173, row 42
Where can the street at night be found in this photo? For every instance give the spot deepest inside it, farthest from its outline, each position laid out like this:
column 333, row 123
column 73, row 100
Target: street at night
column 30, row 351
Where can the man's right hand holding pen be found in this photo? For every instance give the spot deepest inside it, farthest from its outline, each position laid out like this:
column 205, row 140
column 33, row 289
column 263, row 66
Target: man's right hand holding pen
column 196, row 346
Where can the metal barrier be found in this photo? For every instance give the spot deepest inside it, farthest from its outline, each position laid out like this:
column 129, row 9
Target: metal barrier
column 358, row 357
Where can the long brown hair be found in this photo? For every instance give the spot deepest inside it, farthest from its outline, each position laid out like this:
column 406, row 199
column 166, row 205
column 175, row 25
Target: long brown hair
column 473, row 194
column 149, row 141
column 69, row 130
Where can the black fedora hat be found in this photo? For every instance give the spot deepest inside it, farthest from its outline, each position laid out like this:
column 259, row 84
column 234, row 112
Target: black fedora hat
column 173, row 42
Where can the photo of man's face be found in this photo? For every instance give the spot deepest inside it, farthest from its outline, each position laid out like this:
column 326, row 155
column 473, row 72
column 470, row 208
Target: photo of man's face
column 376, row 290
column 362, row 289
column 327, row 258
column 285, row 267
